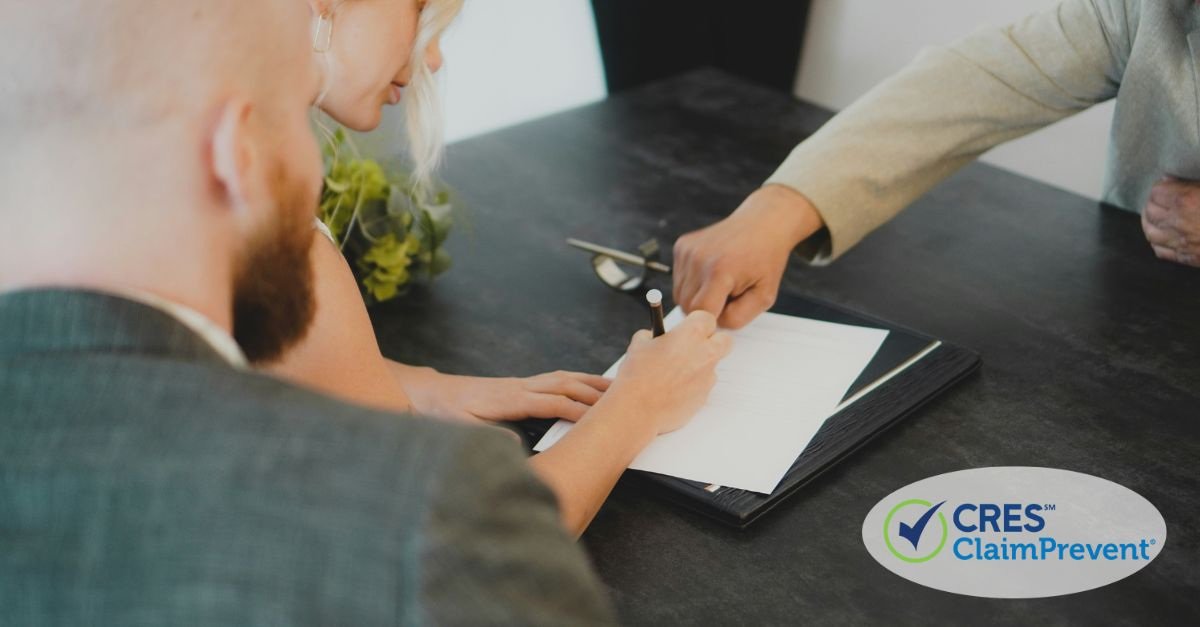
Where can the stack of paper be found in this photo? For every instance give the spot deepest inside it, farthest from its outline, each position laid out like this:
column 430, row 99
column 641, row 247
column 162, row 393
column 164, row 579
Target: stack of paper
column 783, row 379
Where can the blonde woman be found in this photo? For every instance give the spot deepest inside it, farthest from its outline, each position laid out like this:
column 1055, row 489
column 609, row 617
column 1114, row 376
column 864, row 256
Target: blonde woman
column 377, row 53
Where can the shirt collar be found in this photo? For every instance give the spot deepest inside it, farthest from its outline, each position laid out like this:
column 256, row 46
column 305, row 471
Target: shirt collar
column 218, row 338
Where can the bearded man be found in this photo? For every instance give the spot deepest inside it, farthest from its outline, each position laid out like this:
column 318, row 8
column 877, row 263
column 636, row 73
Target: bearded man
column 157, row 193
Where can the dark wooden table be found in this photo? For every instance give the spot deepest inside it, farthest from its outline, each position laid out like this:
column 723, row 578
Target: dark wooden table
column 1090, row 349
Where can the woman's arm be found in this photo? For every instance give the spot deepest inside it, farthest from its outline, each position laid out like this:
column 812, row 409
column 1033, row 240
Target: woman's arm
column 582, row 468
column 340, row 355
column 660, row 385
column 567, row 395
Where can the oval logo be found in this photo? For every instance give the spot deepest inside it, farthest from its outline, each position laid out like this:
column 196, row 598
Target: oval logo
column 1014, row 532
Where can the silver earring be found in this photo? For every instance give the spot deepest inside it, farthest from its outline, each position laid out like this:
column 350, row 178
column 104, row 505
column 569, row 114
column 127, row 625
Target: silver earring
column 323, row 33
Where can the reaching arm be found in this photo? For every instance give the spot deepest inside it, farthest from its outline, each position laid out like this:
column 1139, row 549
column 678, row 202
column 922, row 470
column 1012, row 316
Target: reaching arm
column 899, row 140
column 949, row 106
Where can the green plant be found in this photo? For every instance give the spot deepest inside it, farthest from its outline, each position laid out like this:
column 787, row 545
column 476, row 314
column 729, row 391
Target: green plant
column 390, row 233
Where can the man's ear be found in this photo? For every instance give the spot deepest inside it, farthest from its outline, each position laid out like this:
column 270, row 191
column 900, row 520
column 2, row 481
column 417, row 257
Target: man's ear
column 232, row 153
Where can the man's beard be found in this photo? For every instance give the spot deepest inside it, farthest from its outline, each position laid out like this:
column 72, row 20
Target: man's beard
column 273, row 301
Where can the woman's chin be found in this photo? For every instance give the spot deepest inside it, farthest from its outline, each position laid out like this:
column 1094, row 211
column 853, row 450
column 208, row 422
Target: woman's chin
column 365, row 120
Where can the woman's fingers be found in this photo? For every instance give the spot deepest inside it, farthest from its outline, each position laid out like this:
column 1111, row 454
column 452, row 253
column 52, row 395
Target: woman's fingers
column 722, row 343
column 564, row 384
column 700, row 322
column 557, row 406
column 582, row 392
column 594, row 380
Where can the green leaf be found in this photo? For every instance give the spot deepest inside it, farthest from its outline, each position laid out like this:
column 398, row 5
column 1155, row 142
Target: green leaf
column 441, row 262
column 333, row 186
column 441, row 229
column 381, row 291
column 396, row 235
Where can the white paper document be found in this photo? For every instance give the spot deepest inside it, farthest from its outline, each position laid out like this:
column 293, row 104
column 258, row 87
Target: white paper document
column 783, row 379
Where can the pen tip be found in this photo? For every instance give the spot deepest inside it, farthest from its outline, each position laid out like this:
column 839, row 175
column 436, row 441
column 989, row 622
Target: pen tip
column 654, row 297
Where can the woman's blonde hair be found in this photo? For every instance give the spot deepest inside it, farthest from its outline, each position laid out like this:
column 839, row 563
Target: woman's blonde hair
column 422, row 103
column 423, row 116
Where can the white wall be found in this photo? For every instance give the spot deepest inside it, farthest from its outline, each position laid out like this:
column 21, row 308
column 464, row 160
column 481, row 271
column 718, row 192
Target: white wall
column 508, row 61
column 851, row 45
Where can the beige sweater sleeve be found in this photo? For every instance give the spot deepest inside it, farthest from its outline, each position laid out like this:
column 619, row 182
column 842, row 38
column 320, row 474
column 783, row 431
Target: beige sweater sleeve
column 950, row 105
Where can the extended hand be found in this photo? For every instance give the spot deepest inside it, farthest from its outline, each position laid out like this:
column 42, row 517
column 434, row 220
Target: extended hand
column 732, row 269
column 1171, row 220
column 566, row 395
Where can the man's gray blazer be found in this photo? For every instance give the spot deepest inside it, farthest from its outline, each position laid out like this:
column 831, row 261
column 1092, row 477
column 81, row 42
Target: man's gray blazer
column 144, row 481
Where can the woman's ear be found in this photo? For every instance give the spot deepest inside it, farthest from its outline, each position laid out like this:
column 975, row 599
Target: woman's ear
column 433, row 55
column 320, row 7
column 231, row 153
column 322, row 31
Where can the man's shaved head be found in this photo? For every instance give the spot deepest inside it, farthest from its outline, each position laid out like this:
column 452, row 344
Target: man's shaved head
column 82, row 62
column 164, row 146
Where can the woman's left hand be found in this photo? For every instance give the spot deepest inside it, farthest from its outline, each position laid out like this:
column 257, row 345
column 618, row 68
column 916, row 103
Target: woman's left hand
column 567, row 395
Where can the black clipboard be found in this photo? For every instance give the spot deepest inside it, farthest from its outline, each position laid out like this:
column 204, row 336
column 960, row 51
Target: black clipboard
column 909, row 370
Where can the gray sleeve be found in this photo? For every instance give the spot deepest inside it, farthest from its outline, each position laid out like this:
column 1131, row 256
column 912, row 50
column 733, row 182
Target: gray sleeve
column 952, row 104
column 495, row 552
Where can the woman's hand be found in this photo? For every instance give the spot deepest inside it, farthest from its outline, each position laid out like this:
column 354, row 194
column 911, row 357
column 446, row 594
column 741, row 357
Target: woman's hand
column 666, row 379
column 567, row 395
column 660, row 385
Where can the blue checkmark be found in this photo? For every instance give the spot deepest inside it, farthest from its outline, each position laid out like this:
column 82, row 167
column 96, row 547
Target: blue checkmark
column 913, row 533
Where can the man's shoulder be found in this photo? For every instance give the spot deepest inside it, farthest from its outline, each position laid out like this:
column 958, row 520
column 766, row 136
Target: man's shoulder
column 233, row 421
column 262, row 408
column 186, row 475
column 418, row 446
column 481, row 528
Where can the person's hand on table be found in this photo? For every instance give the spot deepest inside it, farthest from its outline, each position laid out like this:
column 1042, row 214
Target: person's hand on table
column 567, row 395
column 1171, row 220
column 733, row 268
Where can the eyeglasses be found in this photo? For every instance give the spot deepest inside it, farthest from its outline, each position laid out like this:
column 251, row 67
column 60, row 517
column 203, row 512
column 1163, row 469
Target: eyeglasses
column 607, row 264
